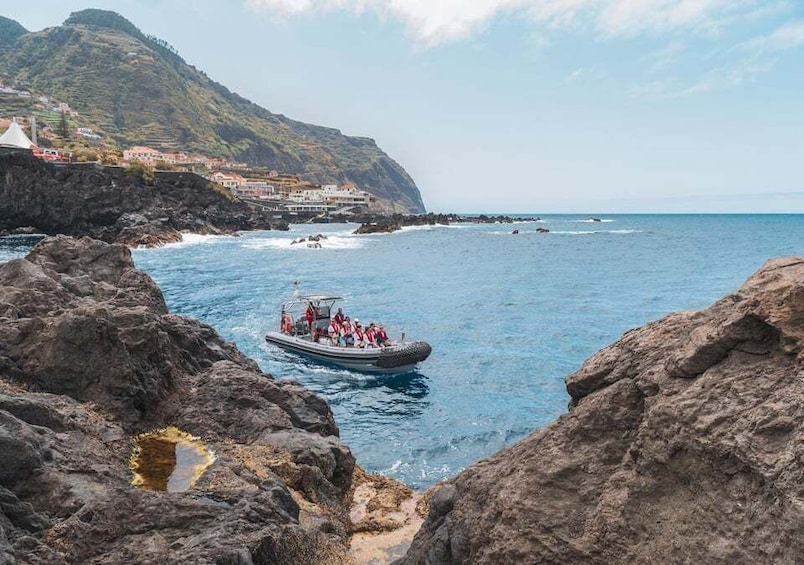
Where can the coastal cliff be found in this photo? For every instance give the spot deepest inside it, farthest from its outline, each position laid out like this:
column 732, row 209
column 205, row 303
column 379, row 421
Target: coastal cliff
column 117, row 205
column 684, row 443
column 135, row 89
column 90, row 357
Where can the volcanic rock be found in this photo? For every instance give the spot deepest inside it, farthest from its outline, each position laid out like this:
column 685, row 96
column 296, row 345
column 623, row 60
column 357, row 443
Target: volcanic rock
column 117, row 205
column 89, row 357
column 684, row 443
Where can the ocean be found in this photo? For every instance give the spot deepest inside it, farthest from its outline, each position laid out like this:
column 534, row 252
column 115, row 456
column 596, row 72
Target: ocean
column 508, row 316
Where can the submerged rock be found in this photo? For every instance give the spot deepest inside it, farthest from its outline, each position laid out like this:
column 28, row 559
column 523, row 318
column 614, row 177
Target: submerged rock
column 89, row 358
column 684, row 443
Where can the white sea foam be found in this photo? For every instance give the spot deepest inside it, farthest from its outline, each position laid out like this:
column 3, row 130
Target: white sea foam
column 188, row 239
column 591, row 221
column 420, row 228
column 593, row 232
column 333, row 242
column 393, row 468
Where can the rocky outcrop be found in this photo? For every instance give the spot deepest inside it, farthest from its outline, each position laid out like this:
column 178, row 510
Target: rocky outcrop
column 133, row 207
column 376, row 223
column 684, row 443
column 90, row 356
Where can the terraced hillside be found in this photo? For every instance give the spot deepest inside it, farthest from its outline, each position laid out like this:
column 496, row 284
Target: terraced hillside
column 137, row 90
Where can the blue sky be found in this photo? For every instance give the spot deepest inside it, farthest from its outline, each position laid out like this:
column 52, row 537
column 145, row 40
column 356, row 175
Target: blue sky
column 523, row 105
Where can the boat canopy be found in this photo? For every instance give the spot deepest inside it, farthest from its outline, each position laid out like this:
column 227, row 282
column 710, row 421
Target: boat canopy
column 316, row 298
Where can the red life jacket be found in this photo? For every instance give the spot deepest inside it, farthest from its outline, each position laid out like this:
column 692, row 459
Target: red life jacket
column 287, row 324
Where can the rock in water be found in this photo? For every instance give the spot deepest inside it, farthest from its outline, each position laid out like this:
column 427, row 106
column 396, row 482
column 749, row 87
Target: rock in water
column 89, row 357
column 684, row 443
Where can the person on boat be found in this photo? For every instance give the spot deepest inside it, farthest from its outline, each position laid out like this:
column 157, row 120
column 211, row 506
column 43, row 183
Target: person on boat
column 360, row 336
column 318, row 333
column 338, row 317
column 287, row 323
column 310, row 314
column 371, row 335
column 382, row 337
column 334, row 331
column 347, row 338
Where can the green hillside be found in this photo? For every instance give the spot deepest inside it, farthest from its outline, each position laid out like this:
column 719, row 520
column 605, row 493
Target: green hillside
column 10, row 31
column 137, row 90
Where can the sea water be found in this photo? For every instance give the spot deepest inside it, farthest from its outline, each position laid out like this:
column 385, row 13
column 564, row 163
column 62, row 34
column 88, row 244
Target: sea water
column 508, row 316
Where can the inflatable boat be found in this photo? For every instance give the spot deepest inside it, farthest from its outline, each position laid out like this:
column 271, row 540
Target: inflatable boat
column 304, row 328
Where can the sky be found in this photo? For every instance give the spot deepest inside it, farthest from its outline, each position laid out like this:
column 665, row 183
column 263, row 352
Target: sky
column 522, row 106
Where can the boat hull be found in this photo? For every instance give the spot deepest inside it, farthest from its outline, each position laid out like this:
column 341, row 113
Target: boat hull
column 399, row 358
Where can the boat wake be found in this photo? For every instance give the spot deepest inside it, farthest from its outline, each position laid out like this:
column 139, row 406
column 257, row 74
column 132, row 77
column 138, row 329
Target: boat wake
column 332, row 242
column 595, row 232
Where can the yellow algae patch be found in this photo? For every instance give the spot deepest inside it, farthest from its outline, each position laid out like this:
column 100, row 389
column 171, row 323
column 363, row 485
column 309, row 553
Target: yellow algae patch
column 169, row 460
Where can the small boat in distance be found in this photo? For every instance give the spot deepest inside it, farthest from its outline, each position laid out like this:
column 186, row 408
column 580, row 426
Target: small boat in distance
column 304, row 329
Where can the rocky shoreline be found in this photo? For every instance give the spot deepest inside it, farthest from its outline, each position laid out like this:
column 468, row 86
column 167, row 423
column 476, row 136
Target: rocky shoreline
column 89, row 358
column 684, row 443
column 117, row 205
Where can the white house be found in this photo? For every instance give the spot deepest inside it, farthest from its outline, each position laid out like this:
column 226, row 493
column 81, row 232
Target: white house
column 232, row 182
column 144, row 155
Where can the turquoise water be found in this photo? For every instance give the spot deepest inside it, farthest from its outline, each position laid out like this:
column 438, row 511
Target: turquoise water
column 508, row 316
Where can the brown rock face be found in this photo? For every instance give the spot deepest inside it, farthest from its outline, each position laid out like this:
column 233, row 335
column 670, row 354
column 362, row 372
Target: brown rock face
column 684, row 443
column 90, row 356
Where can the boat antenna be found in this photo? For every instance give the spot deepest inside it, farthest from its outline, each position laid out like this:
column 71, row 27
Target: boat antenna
column 296, row 292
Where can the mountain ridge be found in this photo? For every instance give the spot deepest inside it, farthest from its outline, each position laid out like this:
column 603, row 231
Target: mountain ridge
column 137, row 89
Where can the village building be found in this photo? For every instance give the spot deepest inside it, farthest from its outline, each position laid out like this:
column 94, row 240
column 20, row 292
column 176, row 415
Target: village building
column 88, row 134
column 345, row 196
column 254, row 189
column 145, row 155
column 230, row 181
column 180, row 159
column 65, row 109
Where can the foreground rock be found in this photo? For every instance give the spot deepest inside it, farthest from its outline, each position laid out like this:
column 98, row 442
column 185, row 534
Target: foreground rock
column 117, row 205
column 90, row 356
column 684, row 444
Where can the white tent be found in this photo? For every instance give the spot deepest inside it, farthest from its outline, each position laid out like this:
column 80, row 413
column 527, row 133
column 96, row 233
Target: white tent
column 15, row 137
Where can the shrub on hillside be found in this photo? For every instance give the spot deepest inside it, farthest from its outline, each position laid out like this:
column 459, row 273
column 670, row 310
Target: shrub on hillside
column 141, row 172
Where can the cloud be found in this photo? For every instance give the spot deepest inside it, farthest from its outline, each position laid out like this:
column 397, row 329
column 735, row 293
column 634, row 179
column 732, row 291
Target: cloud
column 788, row 36
column 440, row 21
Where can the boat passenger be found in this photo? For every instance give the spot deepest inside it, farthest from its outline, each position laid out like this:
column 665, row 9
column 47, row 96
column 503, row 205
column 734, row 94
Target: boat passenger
column 382, row 337
column 360, row 336
column 371, row 335
column 347, row 338
column 310, row 314
column 287, row 323
column 334, row 331
column 338, row 317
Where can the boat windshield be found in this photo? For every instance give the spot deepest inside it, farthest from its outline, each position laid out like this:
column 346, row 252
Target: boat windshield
column 305, row 313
